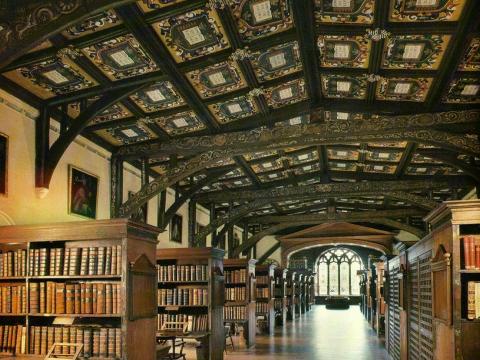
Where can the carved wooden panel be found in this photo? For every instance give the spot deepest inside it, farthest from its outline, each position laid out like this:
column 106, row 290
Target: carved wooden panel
column 142, row 289
column 394, row 315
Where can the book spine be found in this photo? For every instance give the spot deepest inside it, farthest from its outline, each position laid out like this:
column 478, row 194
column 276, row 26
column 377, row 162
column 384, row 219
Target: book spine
column 471, row 300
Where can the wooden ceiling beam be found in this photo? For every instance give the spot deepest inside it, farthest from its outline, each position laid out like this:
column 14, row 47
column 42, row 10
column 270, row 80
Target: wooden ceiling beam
column 419, row 128
column 405, row 159
column 337, row 189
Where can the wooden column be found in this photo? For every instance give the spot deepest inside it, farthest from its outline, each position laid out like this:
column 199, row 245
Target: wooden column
column 212, row 218
column 230, row 233
column 116, row 185
column 192, row 222
column 42, row 128
column 161, row 209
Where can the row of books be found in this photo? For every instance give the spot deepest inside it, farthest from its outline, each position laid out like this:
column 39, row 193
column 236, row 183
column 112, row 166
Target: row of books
column 13, row 263
column 180, row 273
column 235, row 276
column 12, row 339
column 75, row 298
column 183, row 296
column 236, row 294
column 193, row 323
column 97, row 341
column 263, row 292
column 473, row 309
column 76, row 261
column 261, row 308
column 471, row 252
column 13, row 299
column 263, row 280
column 234, row 312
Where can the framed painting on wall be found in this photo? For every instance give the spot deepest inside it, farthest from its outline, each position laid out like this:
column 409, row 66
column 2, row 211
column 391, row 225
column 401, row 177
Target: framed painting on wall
column 176, row 228
column 141, row 214
column 82, row 193
column 3, row 164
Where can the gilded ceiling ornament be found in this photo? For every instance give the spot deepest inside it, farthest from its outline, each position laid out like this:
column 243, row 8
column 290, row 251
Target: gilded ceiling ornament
column 255, row 92
column 69, row 51
column 241, row 54
column 218, row 4
column 373, row 78
column 377, row 34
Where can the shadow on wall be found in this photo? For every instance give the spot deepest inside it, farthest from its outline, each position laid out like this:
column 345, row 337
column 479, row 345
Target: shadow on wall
column 5, row 219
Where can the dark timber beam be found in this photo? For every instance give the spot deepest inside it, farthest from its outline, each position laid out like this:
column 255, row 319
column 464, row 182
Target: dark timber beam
column 26, row 24
column 336, row 189
column 418, row 128
column 59, row 147
column 187, row 194
column 116, row 185
column 42, row 130
column 269, row 252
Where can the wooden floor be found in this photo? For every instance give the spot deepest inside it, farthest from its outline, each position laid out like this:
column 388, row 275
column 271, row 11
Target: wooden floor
column 320, row 334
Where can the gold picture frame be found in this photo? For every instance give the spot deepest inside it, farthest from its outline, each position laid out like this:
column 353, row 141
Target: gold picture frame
column 4, row 143
column 82, row 193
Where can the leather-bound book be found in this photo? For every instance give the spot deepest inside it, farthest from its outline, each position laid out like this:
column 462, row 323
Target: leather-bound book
column 82, row 298
column 58, row 334
column 477, row 254
column 34, row 302
column 43, row 343
column 51, row 337
column 111, row 343
column 84, row 261
column 49, row 303
column 471, row 300
column 103, row 347
column 88, row 298
column 80, row 340
column 73, row 268
column 60, row 298
column 52, row 261
column 108, row 299
column 119, row 260
column 43, row 293
column 101, row 298
column 73, row 338
column 96, row 342
column 94, row 295
column 59, row 261
column 87, row 342
column 113, row 270
column 101, row 261
column 66, row 261
column 38, row 340
column 65, row 339
column 477, row 299
column 108, row 260
column 92, row 261
column 77, row 294
column 69, row 298
column 118, row 343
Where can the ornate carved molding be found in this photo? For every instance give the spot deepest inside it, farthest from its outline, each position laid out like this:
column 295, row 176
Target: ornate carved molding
column 419, row 128
column 25, row 24
column 335, row 189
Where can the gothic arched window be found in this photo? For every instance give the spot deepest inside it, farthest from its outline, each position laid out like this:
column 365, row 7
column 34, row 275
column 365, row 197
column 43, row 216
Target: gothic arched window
column 337, row 272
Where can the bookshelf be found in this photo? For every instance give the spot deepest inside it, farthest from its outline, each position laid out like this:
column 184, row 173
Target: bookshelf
column 265, row 297
column 305, row 286
column 380, row 306
column 89, row 282
column 280, row 293
column 240, row 291
column 310, row 291
column 191, row 290
column 299, row 295
column 452, row 223
column 291, row 290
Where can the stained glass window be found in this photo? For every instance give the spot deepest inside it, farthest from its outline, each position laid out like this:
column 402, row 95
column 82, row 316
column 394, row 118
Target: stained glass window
column 337, row 272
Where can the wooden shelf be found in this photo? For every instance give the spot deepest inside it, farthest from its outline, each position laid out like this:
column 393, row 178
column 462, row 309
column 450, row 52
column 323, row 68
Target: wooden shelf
column 182, row 306
column 13, row 278
column 78, row 315
column 75, row 277
column 183, row 282
column 470, row 271
column 13, row 315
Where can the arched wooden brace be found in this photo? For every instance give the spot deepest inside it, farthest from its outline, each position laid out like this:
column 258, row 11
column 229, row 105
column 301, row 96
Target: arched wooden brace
column 220, row 151
column 269, row 252
column 58, row 148
column 322, row 218
column 211, row 177
column 233, row 216
column 25, row 24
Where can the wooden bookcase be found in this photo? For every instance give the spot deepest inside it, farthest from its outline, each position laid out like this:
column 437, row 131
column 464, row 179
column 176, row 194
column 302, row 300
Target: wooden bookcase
column 291, row 290
column 243, row 309
column 299, row 294
column 450, row 223
column 310, row 291
column 280, row 292
column 380, row 301
column 265, row 297
column 305, row 288
column 194, row 276
column 118, row 325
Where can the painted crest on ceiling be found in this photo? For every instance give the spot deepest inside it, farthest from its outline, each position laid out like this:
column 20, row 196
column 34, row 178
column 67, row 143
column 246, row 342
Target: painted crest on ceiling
column 414, row 51
column 193, row 34
column 344, row 86
column 277, row 61
column 260, row 18
column 100, row 21
column 425, row 10
column 471, row 59
column 161, row 95
column 234, row 109
column 287, row 93
column 120, row 58
column 182, row 123
column 345, row 11
column 403, row 89
column 464, row 90
column 344, row 51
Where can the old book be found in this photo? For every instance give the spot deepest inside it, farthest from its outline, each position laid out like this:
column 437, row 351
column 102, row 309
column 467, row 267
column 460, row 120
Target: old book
column 44, row 340
column 60, row 298
column 51, row 337
column 118, row 343
column 111, row 343
column 100, row 298
column 43, row 262
column 94, row 295
column 108, row 299
column 79, row 340
column 59, row 261
column 477, row 254
column 477, row 299
column 119, row 260
column 49, row 302
column 114, row 299
column 84, row 261
column 38, row 340
column 69, row 298
column 42, row 292
column 471, row 300
column 96, row 342
column 92, row 261
column 73, row 268
column 88, row 298
column 65, row 339
column 103, row 346
column 58, row 334
column 73, row 337
column 77, row 294
column 82, row 298
column 34, row 298
column 66, row 261
column 87, row 342
column 101, row 261
column 108, row 260
column 52, row 261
